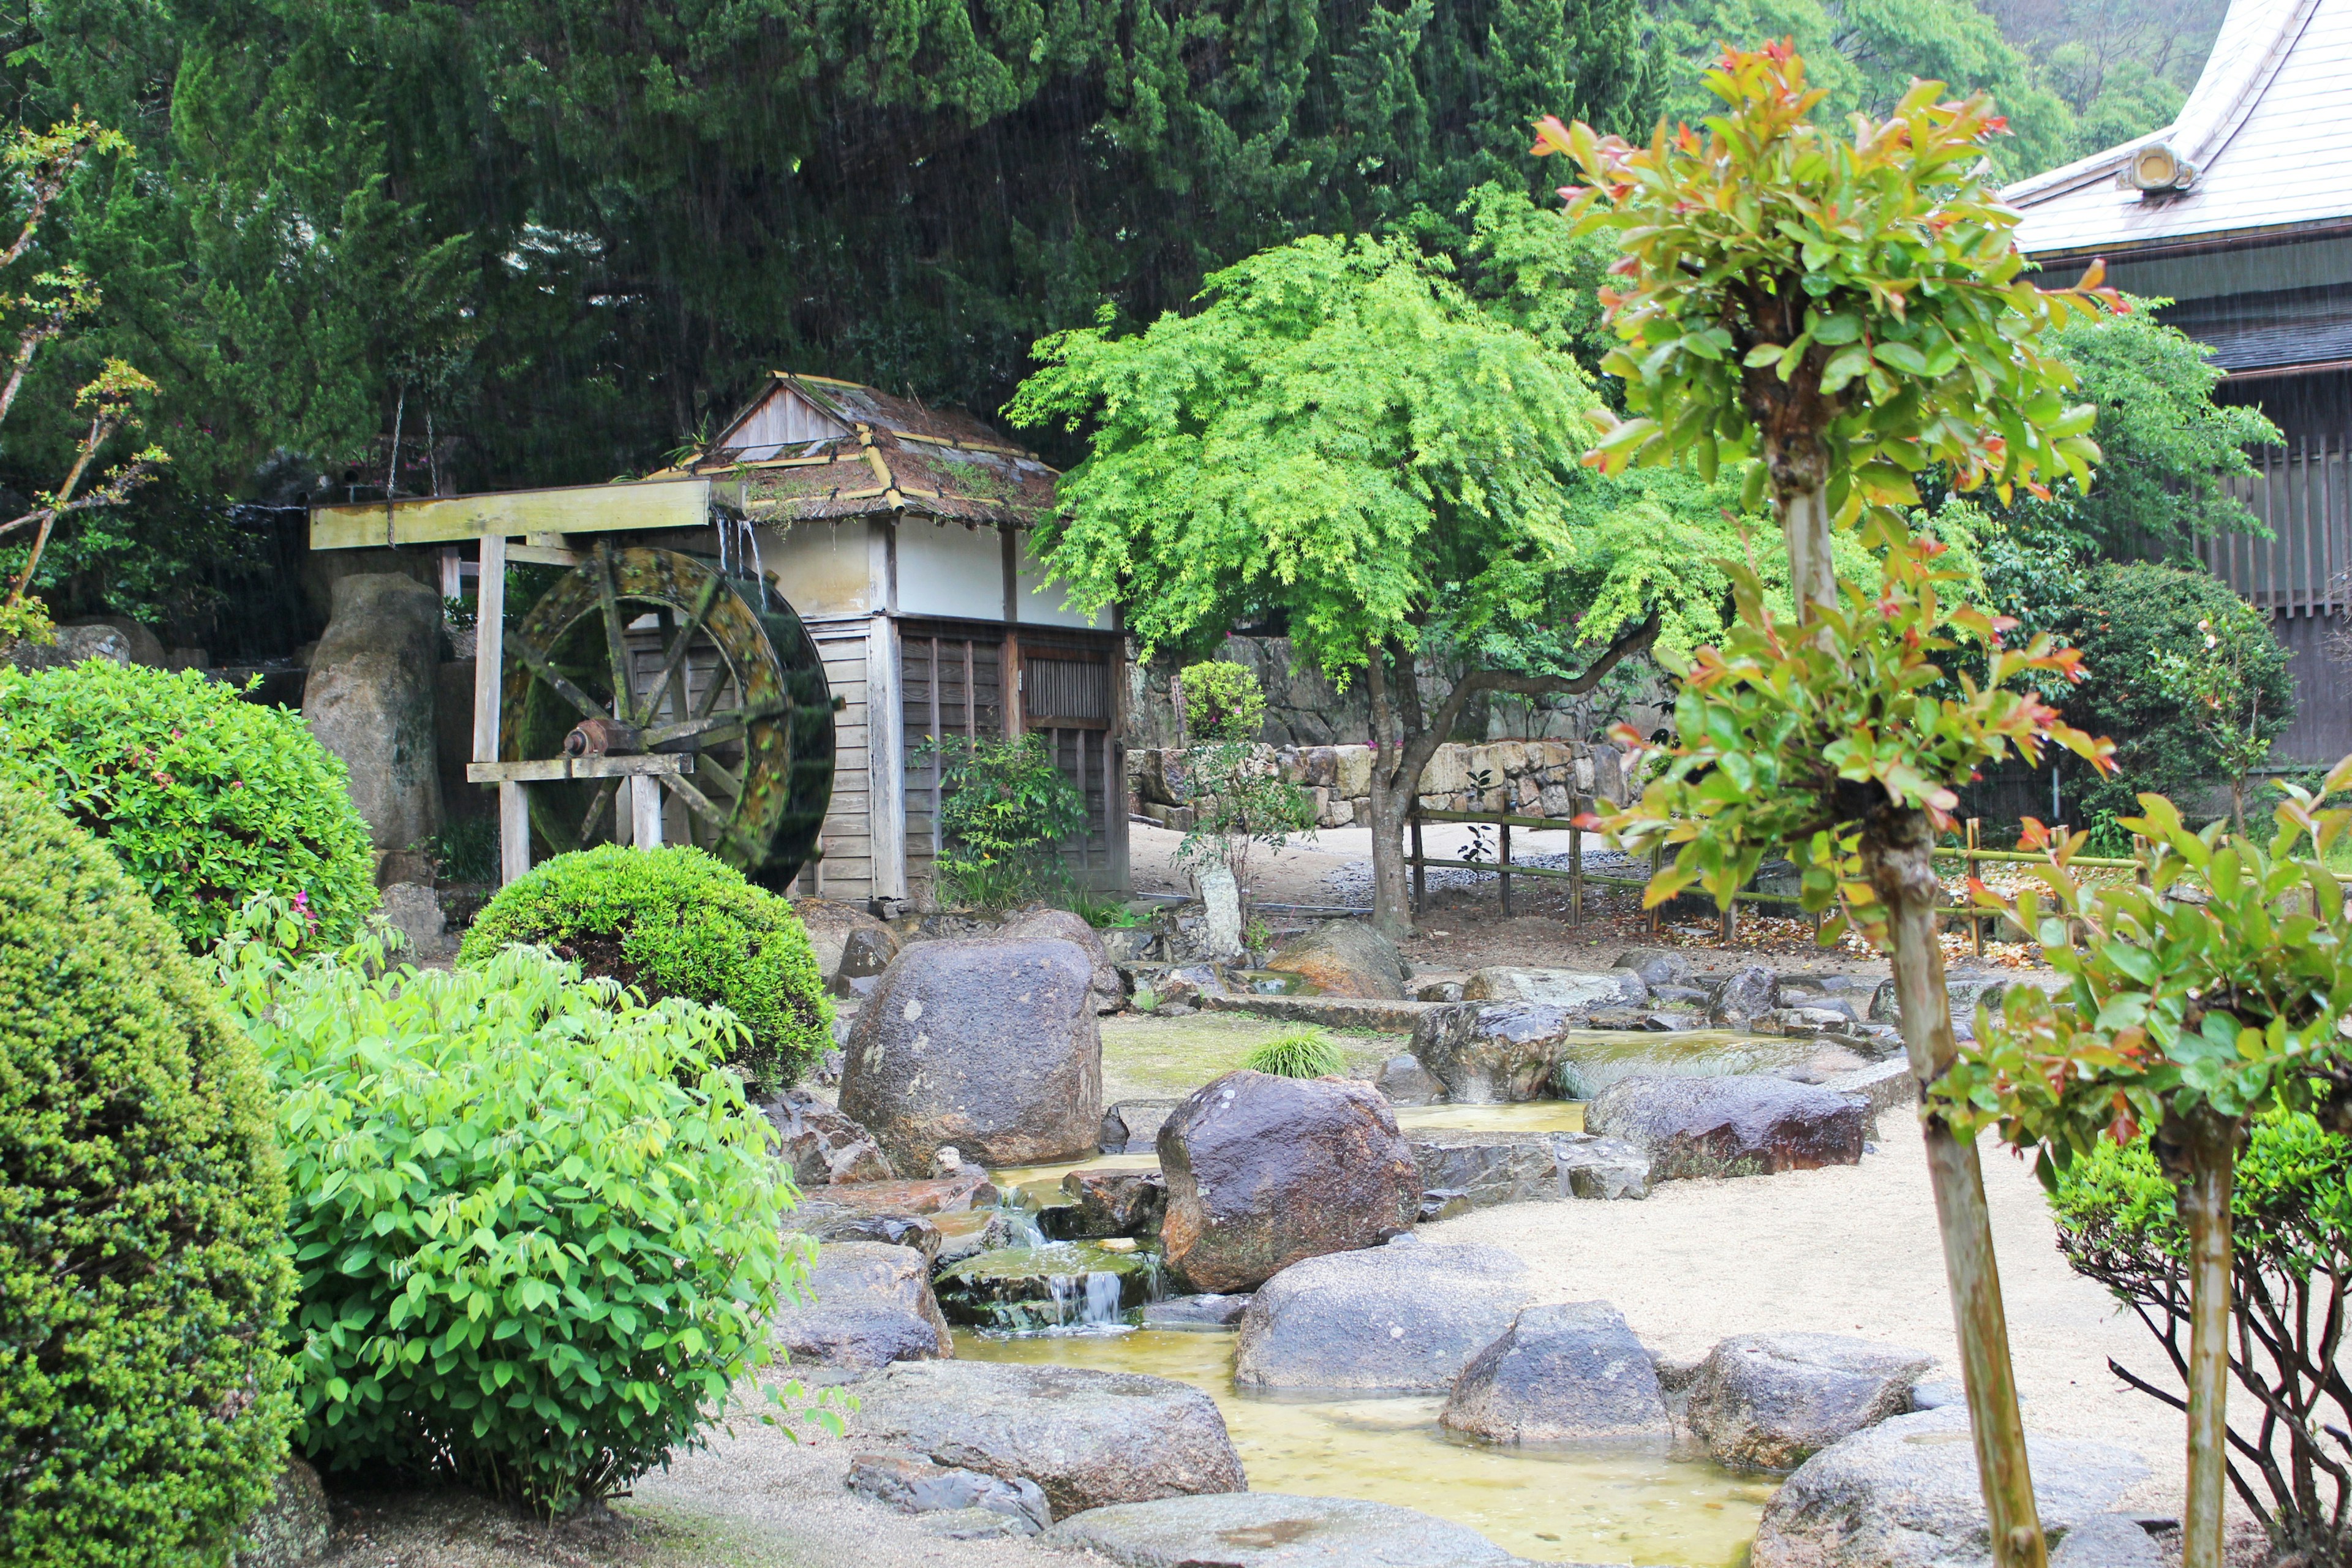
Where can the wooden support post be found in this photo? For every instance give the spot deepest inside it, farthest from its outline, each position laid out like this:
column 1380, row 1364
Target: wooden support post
column 514, row 831
column 1504, row 862
column 1976, row 918
column 645, row 811
column 1729, row 924
column 1420, row 871
column 1657, row 911
column 1575, row 864
column 490, row 651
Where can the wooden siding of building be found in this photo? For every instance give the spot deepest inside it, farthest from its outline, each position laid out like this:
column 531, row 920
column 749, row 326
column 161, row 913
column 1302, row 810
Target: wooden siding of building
column 847, row 870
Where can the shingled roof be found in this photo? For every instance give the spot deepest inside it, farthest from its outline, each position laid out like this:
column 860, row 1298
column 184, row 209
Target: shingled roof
column 2267, row 133
column 813, row 448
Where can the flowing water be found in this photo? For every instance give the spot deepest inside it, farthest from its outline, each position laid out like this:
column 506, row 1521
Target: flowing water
column 1621, row 1505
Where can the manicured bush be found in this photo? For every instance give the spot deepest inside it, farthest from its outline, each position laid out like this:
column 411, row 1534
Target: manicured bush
column 2291, row 1250
column 535, row 1221
column 673, row 922
column 1223, row 700
column 143, row 1395
column 1302, row 1053
column 207, row 800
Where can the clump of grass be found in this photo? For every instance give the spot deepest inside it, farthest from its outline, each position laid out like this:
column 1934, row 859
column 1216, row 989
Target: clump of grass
column 1302, row 1053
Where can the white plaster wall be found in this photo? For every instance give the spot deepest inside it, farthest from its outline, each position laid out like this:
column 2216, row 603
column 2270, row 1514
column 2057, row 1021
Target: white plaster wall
column 947, row 569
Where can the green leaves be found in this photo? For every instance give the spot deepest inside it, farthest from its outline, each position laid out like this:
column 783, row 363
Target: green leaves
column 534, row 1219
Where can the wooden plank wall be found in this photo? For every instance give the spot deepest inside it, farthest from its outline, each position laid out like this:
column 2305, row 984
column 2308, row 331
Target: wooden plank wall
column 952, row 681
column 847, row 870
column 2300, row 575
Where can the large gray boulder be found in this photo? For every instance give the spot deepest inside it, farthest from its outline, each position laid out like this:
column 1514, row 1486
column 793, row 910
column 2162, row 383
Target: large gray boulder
column 1109, row 990
column 71, row 645
column 414, row 911
column 1596, row 1167
column 1264, row 1171
column 1745, row 996
column 1268, row 1530
column 1490, row 1168
column 868, row 1304
column 1770, row 1402
column 987, row 1045
column 822, row 1146
column 1746, row 1126
column 1401, row 1319
column 1086, row 1439
column 1657, row 965
column 369, row 700
column 1579, row 990
column 141, row 646
column 1561, row 1374
column 1904, row 1494
column 1487, row 1054
column 1345, row 958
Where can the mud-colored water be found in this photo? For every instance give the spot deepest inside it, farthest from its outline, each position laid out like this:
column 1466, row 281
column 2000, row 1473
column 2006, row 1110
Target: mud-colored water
column 1527, row 1116
column 1557, row 1506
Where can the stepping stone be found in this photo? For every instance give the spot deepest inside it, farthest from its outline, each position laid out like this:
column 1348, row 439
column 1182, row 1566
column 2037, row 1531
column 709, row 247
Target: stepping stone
column 1268, row 1530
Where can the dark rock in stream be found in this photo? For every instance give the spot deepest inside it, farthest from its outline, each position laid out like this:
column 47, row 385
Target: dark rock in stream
column 1486, row 1054
column 1264, row 1171
column 1195, row 1312
column 1745, row 996
column 891, row 1230
column 1401, row 1319
column 1268, row 1530
column 1107, row 1203
column 822, row 1146
column 1744, row 1126
column 1561, row 1374
column 1770, row 1402
column 987, row 1045
column 1086, row 1439
column 868, row 1305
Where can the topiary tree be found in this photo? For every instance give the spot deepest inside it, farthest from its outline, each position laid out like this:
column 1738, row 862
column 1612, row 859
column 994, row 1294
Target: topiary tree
column 206, row 799
column 674, row 921
column 536, row 1220
column 143, row 1395
column 1846, row 310
column 2194, row 1003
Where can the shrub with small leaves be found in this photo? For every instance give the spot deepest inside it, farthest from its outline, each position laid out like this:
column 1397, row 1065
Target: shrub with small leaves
column 206, row 799
column 673, row 922
column 1302, row 1053
column 534, row 1218
column 142, row 1394
column 1224, row 700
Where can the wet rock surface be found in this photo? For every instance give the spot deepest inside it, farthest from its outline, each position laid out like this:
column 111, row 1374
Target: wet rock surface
column 1405, row 1081
column 868, row 1304
column 1086, row 1439
column 1770, row 1402
column 826, row 1210
column 1346, row 959
column 824, row 1147
column 1744, row 996
column 1492, row 1054
column 1561, row 1374
column 1107, row 1203
column 988, row 1045
column 368, row 699
column 1107, row 985
column 1019, row 1288
column 1904, row 1494
column 1573, row 989
column 1743, row 1126
column 1132, row 1126
column 1657, row 965
column 914, row 1483
column 1264, row 1171
column 830, row 922
column 892, row 1230
column 1205, row 1311
column 1269, row 1530
column 1490, row 1168
column 1591, row 1166
column 1405, row 1318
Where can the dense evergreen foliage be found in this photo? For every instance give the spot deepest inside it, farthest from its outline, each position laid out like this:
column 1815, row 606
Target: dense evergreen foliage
column 142, row 1399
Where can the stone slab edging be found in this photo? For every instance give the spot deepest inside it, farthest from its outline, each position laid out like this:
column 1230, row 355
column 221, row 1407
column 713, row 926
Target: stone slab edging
column 1331, row 1012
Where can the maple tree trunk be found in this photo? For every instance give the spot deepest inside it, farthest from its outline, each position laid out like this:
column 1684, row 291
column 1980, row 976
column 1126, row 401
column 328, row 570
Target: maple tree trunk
column 2204, row 1202
column 1805, row 529
column 1392, row 909
column 1896, row 851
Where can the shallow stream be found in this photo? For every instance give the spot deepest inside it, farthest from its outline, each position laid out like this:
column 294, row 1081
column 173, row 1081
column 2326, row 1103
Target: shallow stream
column 1552, row 1506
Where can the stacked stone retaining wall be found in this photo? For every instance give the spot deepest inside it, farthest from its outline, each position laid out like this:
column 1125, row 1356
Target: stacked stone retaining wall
column 1529, row 778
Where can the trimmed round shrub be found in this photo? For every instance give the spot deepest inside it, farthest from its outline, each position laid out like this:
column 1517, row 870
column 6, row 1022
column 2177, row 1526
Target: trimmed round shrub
column 673, row 922
column 536, row 1221
column 207, row 800
column 142, row 1285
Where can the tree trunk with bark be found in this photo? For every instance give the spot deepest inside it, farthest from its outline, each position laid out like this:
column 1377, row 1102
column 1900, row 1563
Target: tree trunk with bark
column 2203, row 1198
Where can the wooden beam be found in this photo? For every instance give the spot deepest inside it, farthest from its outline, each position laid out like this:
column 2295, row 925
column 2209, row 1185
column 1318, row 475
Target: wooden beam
column 490, row 645
column 553, row 769
column 576, row 509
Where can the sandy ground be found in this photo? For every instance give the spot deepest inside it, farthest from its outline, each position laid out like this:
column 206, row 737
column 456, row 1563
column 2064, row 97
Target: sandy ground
column 1854, row 1250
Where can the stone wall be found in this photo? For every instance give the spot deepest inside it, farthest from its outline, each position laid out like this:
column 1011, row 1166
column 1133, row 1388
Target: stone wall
column 1527, row 778
column 1303, row 708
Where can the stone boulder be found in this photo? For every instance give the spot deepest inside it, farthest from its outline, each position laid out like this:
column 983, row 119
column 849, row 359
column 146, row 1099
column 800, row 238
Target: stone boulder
column 1086, row 1439
column 830, row 923
column 1904, row 1494
column 842, row 1210
column 1745, row 996
column 866, row 957
column 1563, row 1374
column 822, row 1146
column 1405, row 1318
column 1210, row 1311
column 988, row 1045
column 1132, row 1126
column 1486, row 1054
column 1107, row 1203
column 1591, row 1166
column 1574, row 989
column 141, row 646
column 73, row 645
column 893, row 1230
column 1344, row 958
column 1744, row 1126
column 1109, row 988
column 914, row 1483
column 1268, row 1530
column 1490, row 1168
column 868, row 1305
column 291, row 1527
column 1770, row 1402
column 368, row 699
column 414, row 911
column 1404, row 1081
column 1657, row 965
column 1264, row 1171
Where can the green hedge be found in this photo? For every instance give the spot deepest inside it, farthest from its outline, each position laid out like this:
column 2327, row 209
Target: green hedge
column 143, row 1397
column 536, row 1223
column 673, row 922
column 207, row 800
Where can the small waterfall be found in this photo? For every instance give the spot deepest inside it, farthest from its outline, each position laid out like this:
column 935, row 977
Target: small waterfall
column 1102, row 1300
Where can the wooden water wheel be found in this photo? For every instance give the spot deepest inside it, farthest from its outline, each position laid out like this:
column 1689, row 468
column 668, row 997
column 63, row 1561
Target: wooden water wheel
column 646, row 652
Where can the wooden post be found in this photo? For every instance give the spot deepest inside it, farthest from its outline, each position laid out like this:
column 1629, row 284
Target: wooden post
column 1420, row 871
column 1575, row 864
column 514, row 831
column 1657, row 911
column 1504, row 862
column 490, row 656
column 1730, row 923
column 1976, row 916
column 645, row 811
